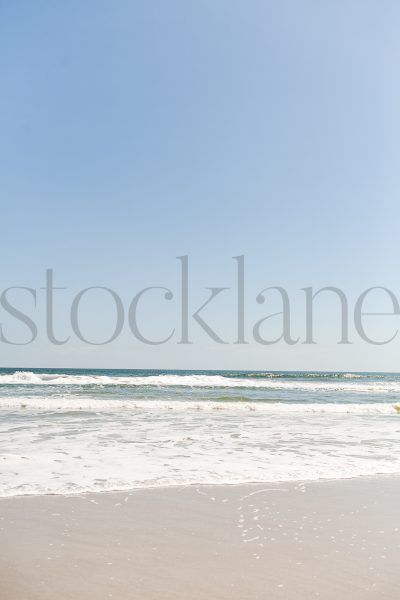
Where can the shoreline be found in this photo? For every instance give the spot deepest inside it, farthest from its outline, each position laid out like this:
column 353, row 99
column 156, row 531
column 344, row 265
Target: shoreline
column 328, row 539
column 178, row 486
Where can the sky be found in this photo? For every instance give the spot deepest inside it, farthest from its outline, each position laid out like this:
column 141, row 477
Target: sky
column 132, row 133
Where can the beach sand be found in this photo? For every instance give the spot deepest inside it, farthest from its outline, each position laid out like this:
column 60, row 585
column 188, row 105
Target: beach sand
column 329, row 540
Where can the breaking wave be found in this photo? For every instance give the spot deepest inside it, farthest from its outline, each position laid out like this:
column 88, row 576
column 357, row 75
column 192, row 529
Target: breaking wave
column 76, row 403
column 358, row 384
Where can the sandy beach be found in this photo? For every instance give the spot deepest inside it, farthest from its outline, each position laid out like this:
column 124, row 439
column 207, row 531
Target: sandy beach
column 328, row 540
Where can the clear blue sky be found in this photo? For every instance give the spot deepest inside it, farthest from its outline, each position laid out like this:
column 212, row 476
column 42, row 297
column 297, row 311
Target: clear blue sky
column 134, row 132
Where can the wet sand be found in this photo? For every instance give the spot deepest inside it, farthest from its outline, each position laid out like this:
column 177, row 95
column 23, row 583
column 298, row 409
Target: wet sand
column 328, row 540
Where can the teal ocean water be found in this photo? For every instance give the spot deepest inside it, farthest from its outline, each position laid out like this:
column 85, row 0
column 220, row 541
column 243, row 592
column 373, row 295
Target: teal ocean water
column 70, row 431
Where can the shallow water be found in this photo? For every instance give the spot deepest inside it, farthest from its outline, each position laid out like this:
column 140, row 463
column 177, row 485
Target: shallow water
column 66, row 431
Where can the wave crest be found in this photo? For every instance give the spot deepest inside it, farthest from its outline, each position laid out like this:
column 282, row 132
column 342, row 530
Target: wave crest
column 74, row 403
column 203, row 381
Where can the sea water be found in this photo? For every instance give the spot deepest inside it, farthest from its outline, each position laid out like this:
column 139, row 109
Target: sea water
column 71, row 431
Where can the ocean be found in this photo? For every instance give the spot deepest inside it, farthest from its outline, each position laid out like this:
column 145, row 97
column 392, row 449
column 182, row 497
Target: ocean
column 67, row 431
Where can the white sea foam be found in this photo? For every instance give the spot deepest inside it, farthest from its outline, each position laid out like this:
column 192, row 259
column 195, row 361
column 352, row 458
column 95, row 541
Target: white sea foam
column 202, row 381
column 84, row 403
column 44, row 452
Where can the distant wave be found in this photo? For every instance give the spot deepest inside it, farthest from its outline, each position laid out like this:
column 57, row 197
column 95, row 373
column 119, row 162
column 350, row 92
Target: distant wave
column 303, row 375
column 204, row 381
